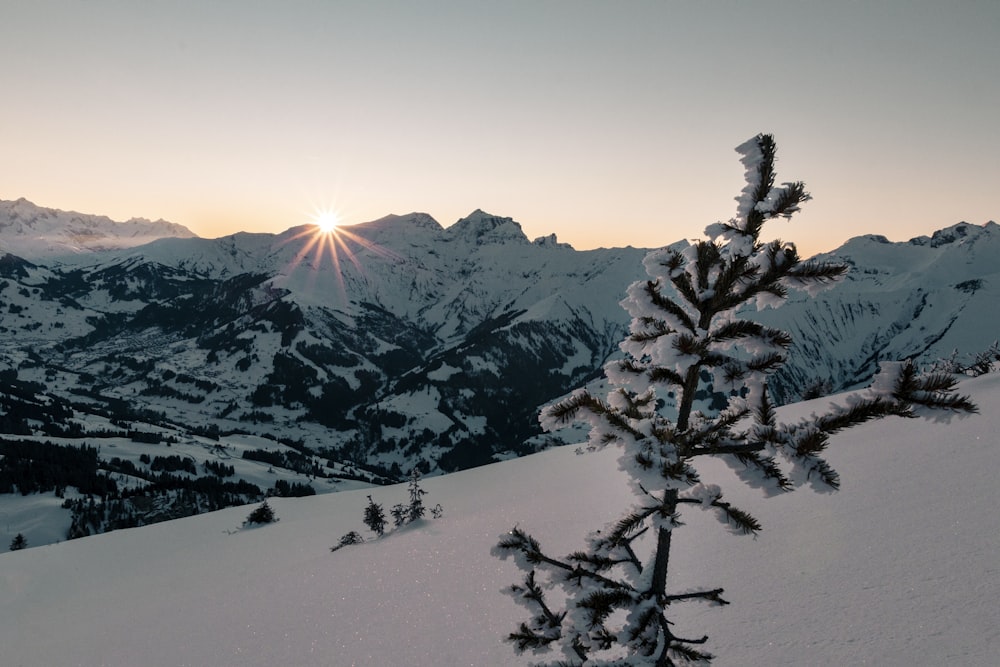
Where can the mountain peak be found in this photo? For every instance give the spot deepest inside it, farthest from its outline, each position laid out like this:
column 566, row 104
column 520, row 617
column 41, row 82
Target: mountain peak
column 955, row 233
column 550, row 241
column 412, row 220
column 482, row 228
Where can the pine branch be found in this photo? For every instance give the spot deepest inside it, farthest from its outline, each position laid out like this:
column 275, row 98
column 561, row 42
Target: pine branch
column 682, row 283
column 715, row 430
column 668, row 305
column 817, row 272
column 788, row 199
column 596, row 562
column 932, row 390
column 766, row 467
column 716, row 449
column 739, row 519
column 859, row 413
column 742, row 329
column 714, row 596
column 603, row 602
column 707, row 257
column 679, row 471
column 950, row 403
column 628, row 524
column 766, row 363
column 733, row 273
column 548, row 625
column 642, row 633
column 690, row 344
column 827, row 475
column 630, row 552
column 518, row 540
column 525, row 638
column 715, row 359
column 564, row 412
column 688, row 654
column 579, row 573
column 630, row 365
column 765, row 168
column 661, row 375
column 765, row 413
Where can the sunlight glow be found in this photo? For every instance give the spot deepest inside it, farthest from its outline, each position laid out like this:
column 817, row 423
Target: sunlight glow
column 327, row 221
column 327, row 239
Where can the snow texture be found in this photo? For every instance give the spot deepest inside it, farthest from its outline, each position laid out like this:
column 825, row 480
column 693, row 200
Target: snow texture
column 899, row 568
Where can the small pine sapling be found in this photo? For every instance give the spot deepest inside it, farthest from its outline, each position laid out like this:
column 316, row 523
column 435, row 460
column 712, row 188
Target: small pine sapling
column 353, row 537
column 375, row 517
column 403, row 514
column 416, row 508
column 399, row 514
column 686, row 331
column 19, row 542
column 262, row 514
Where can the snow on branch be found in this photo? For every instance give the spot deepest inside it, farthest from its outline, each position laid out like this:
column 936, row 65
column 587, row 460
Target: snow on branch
column 687, row 332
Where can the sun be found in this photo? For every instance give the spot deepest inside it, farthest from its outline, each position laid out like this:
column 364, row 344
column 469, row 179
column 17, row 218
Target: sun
column 326, row 238
column 326, row 221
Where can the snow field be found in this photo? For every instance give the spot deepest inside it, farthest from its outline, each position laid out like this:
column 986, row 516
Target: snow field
column 898, row 568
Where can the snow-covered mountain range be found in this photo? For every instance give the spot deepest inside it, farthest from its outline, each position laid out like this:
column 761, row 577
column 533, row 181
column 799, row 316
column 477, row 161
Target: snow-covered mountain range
column 390, row 344
column 924, row 299
column 28, row 230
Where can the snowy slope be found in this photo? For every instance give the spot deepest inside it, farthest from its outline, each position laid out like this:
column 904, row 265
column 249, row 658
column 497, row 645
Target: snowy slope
column 898, row 568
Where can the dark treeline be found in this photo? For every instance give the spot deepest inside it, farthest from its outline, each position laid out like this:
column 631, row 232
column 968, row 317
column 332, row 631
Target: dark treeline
column 37, row 467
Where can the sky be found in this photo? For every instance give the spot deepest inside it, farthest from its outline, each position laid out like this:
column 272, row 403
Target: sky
column 605, row 123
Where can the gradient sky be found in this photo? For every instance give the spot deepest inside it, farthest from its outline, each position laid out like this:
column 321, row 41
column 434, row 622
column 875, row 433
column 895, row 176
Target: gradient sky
column 606, row 123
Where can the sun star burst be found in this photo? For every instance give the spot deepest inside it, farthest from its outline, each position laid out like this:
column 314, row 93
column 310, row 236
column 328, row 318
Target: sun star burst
column 326, row 239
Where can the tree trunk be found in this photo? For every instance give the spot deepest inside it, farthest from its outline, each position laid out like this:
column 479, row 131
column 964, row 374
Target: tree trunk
column 662, row 563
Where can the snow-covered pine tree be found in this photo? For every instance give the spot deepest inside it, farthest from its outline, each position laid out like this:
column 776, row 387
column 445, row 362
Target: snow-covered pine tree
column 686, row 331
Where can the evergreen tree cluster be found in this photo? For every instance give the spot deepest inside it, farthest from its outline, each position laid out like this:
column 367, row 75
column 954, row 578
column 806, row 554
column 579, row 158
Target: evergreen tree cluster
column 402, row 514
column 37, row 467
column 219, row 469
column 285, row 489
column 613, row 598
column 167, row 497
column 173, row 463
column 295, row 461
column 23, row 402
